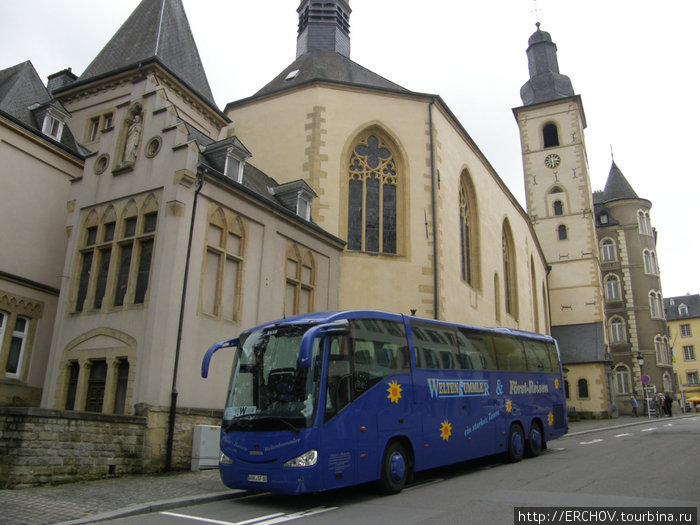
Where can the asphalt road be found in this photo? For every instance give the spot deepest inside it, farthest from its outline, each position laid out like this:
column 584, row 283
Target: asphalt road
column 645, row 466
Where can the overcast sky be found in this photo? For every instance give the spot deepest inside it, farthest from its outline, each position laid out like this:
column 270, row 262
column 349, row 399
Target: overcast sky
column 634, row 63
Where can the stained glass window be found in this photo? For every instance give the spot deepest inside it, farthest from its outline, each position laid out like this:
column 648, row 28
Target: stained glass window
column 372, row 197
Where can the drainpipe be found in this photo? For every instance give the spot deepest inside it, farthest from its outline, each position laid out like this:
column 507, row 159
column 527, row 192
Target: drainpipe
column 173, row 391
column 434, row 213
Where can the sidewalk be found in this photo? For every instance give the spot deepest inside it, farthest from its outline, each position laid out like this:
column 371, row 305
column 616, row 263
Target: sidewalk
column 93, row 501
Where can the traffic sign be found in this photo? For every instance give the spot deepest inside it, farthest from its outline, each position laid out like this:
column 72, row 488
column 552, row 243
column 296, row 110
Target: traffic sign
column 645, row 379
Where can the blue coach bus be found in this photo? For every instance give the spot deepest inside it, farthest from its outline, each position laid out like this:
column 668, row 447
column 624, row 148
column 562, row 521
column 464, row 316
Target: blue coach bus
column 327, row 400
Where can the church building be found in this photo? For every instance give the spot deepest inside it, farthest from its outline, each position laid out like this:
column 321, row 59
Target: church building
column 174, row 224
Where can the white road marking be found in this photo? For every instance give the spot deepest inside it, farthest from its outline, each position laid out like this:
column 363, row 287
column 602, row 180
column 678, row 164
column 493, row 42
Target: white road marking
column 591, row 442
column 219, row 522
column 270, row 519
column 623, row 435
column 648, row 429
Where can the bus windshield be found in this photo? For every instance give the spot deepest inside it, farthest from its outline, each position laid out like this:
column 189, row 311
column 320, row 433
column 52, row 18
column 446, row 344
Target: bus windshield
column 268, row 391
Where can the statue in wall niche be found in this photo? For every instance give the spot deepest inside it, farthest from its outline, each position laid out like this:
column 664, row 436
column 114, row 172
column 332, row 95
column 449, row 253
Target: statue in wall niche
column 133, row 137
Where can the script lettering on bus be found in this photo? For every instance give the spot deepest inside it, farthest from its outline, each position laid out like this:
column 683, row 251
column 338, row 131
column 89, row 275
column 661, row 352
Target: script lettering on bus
column 440, row 388
column 529, row 387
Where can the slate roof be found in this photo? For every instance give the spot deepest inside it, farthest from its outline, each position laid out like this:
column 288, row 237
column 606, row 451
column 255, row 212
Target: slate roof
column 25, row 99
column 157, row 29
column 580, row 343
column 616, row 188
column 546, row 83
column 327, row 66
column 671, row 305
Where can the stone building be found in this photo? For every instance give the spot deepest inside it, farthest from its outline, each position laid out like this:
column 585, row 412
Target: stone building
column 560, row 204
column 631, row 282
column 604, row 285
column 683, row 317
column 174, row 224
column 39, row 159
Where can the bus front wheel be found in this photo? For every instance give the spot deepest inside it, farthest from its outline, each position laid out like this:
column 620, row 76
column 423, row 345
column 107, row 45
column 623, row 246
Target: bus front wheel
column 516, row 443
column 395, row 468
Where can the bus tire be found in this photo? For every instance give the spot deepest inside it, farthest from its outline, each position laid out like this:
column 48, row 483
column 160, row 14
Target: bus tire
column 395, row 468
column 535, row 441
column 516, row 443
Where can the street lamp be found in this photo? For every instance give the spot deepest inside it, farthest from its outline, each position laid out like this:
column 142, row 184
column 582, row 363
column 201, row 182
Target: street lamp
column 640, row 360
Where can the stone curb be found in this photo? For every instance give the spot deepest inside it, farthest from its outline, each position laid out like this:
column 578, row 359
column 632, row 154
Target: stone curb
column 642, row 421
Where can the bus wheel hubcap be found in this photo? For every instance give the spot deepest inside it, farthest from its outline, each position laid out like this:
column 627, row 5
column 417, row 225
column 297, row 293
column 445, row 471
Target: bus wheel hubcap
column 398, row 467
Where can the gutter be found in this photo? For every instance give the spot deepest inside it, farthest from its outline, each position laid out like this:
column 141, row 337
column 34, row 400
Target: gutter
column 178, row 344
column 436, row 305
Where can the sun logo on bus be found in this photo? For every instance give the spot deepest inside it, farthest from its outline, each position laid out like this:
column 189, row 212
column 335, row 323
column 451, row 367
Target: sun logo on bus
column 556, row 383
column 394, row 392
column 509, row 407
column 445, row 430
column 550, row 419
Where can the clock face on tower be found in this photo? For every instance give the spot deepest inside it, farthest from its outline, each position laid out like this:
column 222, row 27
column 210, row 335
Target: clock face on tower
column 552, row 160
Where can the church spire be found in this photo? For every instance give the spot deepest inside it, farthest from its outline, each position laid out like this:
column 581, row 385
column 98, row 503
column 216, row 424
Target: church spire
column 324, row 26
column 546, row 83
column 157, row 29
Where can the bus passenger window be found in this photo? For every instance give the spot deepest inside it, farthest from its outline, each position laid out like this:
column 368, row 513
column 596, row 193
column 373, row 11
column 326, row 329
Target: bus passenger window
column 435, row 346
column 537, row 356
column 476, row 350
column 509, row 354
column 377, row 348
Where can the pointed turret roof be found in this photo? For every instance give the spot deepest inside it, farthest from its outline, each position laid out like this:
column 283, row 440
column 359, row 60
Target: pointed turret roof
column 157, row 29
column 616, row 188
column 546, row 83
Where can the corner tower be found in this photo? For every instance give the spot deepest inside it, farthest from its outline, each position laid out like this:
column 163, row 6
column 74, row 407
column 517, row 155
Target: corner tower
column 560, row 206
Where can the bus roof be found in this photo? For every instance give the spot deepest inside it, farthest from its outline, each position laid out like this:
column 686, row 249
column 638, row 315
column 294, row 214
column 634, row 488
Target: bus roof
column 330, row 316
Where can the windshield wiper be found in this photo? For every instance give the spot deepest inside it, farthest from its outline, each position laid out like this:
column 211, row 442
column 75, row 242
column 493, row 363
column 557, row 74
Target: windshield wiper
column 259, row 417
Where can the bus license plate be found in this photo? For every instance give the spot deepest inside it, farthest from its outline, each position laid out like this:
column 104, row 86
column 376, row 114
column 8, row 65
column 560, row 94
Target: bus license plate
column 257, row 478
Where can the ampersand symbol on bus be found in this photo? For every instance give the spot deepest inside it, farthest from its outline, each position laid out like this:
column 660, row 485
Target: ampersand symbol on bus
column 499, row 388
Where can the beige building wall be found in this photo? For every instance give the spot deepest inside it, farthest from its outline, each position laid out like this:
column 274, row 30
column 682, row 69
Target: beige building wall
column 162, row 180
column 35, row 179
column 310, row 132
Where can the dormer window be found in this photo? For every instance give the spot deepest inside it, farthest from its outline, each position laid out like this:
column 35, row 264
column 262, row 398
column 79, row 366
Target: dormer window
column 53, row 118
column 234, row 167
column 304, row 207
column 228, row 157
column 53, row 127
column 296, row 196
column 603, row 218
column 683, row 310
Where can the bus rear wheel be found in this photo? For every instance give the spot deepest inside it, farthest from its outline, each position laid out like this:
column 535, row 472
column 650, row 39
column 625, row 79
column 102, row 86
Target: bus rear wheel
column 395, row 468
column 535, row 441
column 516, row 443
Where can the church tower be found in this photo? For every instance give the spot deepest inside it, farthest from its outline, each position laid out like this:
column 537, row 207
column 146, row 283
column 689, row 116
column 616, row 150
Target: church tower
column 560, row 206
column 324, row 26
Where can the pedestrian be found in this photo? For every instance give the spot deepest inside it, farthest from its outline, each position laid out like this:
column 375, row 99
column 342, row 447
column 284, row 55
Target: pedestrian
column 658, row 404
column 668, row 403
column 634, row 406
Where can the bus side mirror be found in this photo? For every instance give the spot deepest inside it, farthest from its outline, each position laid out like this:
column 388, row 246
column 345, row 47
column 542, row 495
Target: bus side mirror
column 210, row 352
column 341, row 327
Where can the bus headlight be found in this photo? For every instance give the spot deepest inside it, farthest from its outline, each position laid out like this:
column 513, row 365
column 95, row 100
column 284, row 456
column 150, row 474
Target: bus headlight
column 307, row 459
column 224, row 459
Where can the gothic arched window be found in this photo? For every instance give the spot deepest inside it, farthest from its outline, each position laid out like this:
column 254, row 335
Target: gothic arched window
column 372, row 197
column 510, row 284
column 468, row 219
